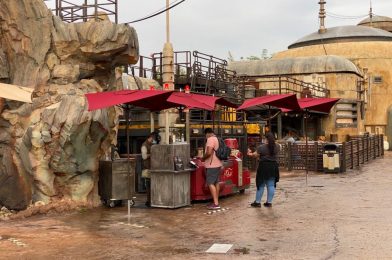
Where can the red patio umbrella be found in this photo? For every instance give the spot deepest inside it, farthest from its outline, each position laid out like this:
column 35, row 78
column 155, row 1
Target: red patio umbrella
column 323, row 105
column 287, row 101
column 153, row 99
column 193, row 100
column 149, row 99
column 282, row 101
column 213, row 100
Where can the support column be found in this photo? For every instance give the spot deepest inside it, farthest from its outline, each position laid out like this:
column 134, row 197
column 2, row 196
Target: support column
column 279, row 119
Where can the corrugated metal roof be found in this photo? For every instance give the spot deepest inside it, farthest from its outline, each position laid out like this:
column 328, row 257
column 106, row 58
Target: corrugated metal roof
column 342, row 34
column 295, row 66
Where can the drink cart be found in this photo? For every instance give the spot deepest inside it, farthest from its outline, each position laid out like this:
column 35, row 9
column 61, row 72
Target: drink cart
column 234, row 177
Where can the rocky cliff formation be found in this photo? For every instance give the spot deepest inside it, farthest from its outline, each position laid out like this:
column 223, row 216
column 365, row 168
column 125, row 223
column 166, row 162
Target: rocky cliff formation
column 49, row 150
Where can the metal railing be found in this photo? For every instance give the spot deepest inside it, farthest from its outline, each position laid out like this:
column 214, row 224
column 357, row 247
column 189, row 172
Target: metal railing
column 84, row 10
column 202, row 72
column 287, row 85
column 357, row 151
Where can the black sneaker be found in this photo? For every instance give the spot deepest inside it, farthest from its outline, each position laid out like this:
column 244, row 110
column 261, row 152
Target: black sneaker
column 255, row 204
column 267, row 205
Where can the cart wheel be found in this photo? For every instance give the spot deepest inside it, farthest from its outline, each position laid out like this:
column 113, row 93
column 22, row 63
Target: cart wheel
column 242, row 191
column 112, row 203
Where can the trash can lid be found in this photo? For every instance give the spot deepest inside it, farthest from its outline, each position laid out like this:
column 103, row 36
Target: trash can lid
column 330, row 147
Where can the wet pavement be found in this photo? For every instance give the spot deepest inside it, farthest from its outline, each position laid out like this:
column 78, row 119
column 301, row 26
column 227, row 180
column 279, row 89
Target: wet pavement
column 335, row 216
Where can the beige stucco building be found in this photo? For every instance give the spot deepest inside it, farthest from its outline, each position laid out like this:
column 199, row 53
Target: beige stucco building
column 353, row 63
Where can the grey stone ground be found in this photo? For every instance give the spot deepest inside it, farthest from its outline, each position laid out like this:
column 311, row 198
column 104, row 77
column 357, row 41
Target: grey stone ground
column 345, row 216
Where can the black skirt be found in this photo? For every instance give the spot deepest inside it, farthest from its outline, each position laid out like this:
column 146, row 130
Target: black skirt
column 266, row 170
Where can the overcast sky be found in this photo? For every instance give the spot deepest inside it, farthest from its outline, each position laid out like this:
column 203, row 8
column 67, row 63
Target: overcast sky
column 244, row 27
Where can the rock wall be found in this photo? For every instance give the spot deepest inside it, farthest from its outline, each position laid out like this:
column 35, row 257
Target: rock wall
column 49, row 150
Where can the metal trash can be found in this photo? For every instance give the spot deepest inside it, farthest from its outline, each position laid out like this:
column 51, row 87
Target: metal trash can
column 331, row 160
column 116, row 181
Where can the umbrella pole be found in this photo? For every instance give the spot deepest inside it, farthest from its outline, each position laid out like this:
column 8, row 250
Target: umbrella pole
column 128, row 159
column 187, row 127
column 306, row 147
column 167, row 130
column 269, row 119
column 152, row 122
column 213, row 120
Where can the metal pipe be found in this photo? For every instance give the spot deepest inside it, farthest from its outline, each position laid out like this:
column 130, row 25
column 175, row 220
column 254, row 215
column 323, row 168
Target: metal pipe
column 116, row 11
column 85, row 11
column 187, row 127
column 152, row 123
column 167, row 21
column 96, row 10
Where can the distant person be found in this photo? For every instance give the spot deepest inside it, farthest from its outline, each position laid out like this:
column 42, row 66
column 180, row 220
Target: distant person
column 146, row 155
column 267, row 171
column 289, row 138
column 213, row 166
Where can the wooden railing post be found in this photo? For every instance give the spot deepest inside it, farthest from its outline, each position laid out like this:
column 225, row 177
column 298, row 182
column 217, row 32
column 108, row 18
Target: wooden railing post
column 343, row 166
column 363, row 150
column 367, row 148
column 352, row 153
column 289, row 156
column 315, row 154
column 358, row 153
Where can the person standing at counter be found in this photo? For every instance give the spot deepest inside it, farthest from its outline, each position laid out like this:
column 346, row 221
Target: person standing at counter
column 267, row 171
column 146, row 155
column 213, row 166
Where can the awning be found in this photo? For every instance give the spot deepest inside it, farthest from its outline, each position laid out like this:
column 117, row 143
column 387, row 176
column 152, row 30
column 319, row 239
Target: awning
column 287, row 101
column 15, row 92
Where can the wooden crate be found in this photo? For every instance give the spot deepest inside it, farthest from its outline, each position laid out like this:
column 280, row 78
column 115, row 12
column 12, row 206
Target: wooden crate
column 170, row 189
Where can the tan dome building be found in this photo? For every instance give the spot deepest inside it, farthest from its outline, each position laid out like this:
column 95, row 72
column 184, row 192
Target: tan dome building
column 379, row 22
column 315, row 75
column 357, row 69
column 370, row 49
